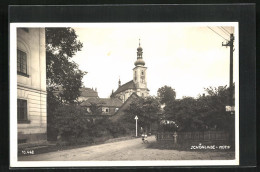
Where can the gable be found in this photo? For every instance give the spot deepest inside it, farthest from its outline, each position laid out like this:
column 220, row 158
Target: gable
column 126, row 86
column 125, row 105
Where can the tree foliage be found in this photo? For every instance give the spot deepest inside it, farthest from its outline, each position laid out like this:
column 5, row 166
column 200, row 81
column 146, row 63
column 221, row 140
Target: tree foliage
column 146, row 109
column 166, row 94
column 70, row 121
column 95, row 109
column 203, row 113
column 62, row 72
column 63, row 76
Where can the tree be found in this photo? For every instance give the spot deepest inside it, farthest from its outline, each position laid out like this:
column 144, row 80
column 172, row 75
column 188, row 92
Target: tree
column 203, row 113
column 185, row 113
column 146, row 109
column 62, row 72
column 71, row 122
column 166, row 94
column 95, row 109
column 63, row 76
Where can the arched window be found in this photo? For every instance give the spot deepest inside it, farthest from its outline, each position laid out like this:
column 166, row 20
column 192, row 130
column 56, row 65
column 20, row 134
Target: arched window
column 142, row 72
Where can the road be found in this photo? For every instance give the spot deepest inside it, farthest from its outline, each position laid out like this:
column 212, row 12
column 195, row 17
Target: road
column 125, row 150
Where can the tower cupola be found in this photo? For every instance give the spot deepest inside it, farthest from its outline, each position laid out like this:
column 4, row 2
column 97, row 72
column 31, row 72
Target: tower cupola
column 139, row 61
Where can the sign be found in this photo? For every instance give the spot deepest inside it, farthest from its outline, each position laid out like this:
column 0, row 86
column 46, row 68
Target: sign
column 136, row 118
column 230, row 108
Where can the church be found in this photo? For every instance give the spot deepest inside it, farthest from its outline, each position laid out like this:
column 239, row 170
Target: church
column 139, row 83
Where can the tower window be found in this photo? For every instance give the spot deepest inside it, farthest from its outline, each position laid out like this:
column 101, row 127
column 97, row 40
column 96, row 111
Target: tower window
column 21, row 62
column 142, row 72
column 22, row 110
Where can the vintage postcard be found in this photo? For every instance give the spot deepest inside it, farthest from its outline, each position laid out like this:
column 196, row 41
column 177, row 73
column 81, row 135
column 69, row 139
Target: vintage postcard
column 124, row 94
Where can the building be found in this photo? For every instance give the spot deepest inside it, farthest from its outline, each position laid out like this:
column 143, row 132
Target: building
column 139, row 83
column 102, row 106
column 31, row 85
column 121, row 111
column 86, row 93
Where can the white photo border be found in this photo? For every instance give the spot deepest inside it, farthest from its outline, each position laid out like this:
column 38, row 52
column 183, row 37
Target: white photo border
column 13, row 103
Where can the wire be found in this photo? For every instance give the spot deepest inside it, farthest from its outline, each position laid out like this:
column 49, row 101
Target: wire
column 217, row 33
column 225, row 30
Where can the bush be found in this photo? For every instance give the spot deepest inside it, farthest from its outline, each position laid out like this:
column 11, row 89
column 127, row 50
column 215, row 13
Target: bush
column 70, row 121
column 74, row 127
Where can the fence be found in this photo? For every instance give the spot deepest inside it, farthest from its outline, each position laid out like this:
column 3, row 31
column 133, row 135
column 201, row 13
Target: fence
column 195, row 136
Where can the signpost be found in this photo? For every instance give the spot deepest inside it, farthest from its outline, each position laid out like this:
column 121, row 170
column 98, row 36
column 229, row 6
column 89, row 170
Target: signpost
column 230, row 109
column 136, row 118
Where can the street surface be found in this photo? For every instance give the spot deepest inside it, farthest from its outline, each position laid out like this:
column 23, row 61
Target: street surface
column 125, row 150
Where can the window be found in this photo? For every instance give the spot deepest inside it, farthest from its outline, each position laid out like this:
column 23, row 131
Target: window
column 107, row 110
column 21, row 62
column 142, row 72
column 22, row 110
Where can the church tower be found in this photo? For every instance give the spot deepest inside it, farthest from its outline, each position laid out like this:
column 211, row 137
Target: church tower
column 139, row 74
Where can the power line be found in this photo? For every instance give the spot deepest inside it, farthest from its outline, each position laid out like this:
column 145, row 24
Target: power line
column 225, row 30
column 217, row 33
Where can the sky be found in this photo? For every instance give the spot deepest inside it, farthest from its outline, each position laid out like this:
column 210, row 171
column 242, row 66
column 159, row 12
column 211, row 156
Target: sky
column 188, row 58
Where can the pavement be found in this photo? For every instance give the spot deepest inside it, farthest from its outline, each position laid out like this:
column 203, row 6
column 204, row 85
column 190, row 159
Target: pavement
column 125, row 150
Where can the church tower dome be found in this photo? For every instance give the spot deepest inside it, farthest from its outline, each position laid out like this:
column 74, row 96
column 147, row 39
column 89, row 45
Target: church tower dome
column 139, row 61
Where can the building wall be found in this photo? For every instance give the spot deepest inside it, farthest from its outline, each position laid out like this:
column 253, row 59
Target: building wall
column 111, row 110
column 33, row 87
column 139, row 73
column 124, row 95
column 121, row 110
column 142, row 92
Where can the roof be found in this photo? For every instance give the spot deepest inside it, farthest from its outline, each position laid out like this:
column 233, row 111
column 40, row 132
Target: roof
column 126, row 104
column 84, row 92
column 126, row 86
column 88, row 92
column 109, row 102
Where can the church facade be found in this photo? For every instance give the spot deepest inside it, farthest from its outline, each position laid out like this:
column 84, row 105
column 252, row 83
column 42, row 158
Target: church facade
column 139, row 83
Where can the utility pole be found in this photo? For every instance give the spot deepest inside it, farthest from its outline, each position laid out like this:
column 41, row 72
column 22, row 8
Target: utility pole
column 230, row 43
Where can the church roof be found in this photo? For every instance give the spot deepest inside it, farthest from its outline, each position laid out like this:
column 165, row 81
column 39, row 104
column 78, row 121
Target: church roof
column 126, row 86
column 88, row 92
column 108, row 102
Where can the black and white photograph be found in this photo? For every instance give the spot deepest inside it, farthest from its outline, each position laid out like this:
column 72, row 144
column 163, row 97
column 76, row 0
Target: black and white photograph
column 124, row 94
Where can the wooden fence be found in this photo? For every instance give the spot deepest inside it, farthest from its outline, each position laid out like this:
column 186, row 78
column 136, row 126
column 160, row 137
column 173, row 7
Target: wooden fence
column 195, row 136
